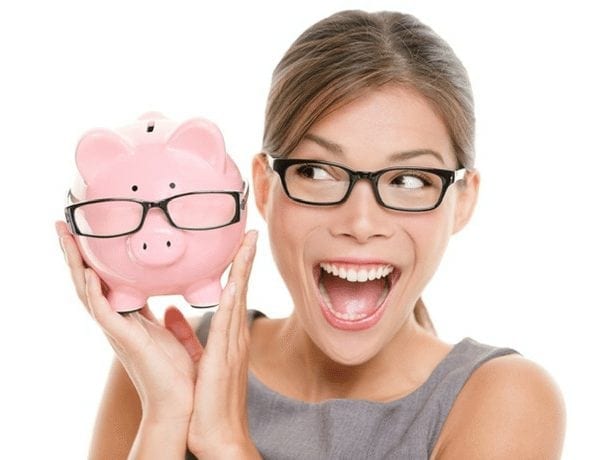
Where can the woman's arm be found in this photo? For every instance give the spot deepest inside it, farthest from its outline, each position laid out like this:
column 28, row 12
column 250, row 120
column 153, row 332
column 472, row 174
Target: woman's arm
column 118, row 417
column 120, row 431
column 510, row 408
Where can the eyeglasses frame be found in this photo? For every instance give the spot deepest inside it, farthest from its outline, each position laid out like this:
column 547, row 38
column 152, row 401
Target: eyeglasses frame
column 448, row 177
column 239, row 205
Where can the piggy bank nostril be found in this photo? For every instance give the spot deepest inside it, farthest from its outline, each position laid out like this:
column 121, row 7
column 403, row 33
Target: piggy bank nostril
column 168, row 244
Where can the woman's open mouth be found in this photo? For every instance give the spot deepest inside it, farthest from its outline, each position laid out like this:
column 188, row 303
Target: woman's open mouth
column 353, row 296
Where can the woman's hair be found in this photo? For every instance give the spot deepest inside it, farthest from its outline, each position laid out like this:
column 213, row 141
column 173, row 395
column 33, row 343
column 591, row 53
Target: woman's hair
column 343, row 56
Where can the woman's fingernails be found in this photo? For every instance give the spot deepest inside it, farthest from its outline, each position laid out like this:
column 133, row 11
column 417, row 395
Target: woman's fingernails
column 250, row 239
column 63, row 248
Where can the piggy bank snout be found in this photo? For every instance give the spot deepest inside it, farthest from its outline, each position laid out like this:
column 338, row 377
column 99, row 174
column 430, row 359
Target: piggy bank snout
column 157, row 246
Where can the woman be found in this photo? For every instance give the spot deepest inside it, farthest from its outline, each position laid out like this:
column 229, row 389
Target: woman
column 367, row 170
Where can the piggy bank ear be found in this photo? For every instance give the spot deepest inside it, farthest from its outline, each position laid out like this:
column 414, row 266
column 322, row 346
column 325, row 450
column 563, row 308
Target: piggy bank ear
column 203, row 138
column 98, row 148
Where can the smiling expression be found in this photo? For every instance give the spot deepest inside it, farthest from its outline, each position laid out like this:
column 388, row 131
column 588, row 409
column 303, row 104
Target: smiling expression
column 383, row 258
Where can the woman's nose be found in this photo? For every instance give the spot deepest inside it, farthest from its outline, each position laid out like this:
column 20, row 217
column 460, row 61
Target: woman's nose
column 361, row 217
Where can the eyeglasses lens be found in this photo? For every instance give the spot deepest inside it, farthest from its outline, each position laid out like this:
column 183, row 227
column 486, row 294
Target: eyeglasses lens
column 108, row 218
column 202, row 210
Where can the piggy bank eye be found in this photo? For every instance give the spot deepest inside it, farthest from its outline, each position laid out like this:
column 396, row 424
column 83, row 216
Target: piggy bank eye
column 134, row 188
column 172, row 185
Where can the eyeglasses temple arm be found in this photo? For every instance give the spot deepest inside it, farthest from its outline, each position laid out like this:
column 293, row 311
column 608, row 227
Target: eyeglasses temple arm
column 459, row 174
column 71, row 199
column 245, row 194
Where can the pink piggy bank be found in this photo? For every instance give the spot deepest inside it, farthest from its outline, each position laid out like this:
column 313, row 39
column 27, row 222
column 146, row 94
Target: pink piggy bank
column 159, row 208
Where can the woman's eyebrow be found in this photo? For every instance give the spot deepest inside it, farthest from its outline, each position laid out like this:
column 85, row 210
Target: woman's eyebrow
column 326, row 144
column 395, row 157
column 407, row 155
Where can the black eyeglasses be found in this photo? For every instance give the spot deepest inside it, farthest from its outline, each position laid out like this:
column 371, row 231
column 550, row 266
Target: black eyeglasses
column 113, row 217
column 323, row 183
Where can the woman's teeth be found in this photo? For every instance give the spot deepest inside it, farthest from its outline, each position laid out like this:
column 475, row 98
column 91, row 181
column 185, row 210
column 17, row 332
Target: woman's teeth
column 360, row 275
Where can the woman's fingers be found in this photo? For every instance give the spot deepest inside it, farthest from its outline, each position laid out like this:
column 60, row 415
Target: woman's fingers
column 100, row 309
column 239, row 274
column 219, row 331
column 176, row 323
column 129, row 333
column 73, row 259
column 228, row 324
column 147, row 313
column 160, row 366
column 61, row 229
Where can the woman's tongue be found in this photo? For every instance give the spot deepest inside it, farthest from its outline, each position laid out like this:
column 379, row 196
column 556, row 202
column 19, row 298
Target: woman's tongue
column 352, row 297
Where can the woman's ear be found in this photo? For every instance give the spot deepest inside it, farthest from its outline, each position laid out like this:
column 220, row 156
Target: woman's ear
column 468, row 191
column 262, row 175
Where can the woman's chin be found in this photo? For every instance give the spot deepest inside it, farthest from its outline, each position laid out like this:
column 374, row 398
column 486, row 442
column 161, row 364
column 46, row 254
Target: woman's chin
column 346, row 355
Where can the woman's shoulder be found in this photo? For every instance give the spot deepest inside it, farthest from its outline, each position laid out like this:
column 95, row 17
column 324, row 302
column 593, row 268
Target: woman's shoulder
column 510, row 407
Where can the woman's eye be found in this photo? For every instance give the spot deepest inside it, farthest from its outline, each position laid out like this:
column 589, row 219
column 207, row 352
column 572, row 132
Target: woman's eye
column 315, row 172
column 409, row 181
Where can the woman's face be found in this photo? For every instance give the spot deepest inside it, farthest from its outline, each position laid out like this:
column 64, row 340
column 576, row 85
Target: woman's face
column 352, row 320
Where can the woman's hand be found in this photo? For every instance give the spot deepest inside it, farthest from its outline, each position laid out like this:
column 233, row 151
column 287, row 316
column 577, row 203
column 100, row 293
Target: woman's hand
column 158, row 358
column 219, row 427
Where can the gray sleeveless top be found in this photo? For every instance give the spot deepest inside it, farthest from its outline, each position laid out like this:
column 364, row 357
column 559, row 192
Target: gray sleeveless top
column 285, row 428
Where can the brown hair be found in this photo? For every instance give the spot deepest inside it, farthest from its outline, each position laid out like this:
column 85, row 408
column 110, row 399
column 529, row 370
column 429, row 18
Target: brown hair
column 341, row 57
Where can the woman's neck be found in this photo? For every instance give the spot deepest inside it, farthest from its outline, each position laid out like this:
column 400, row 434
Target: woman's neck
column 288, row 361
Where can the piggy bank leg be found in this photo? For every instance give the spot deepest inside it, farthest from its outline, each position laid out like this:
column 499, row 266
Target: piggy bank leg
column 204, row 295
column 123, row 301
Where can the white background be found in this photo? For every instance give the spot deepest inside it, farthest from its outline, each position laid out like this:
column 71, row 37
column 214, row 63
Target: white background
column 532, row 271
